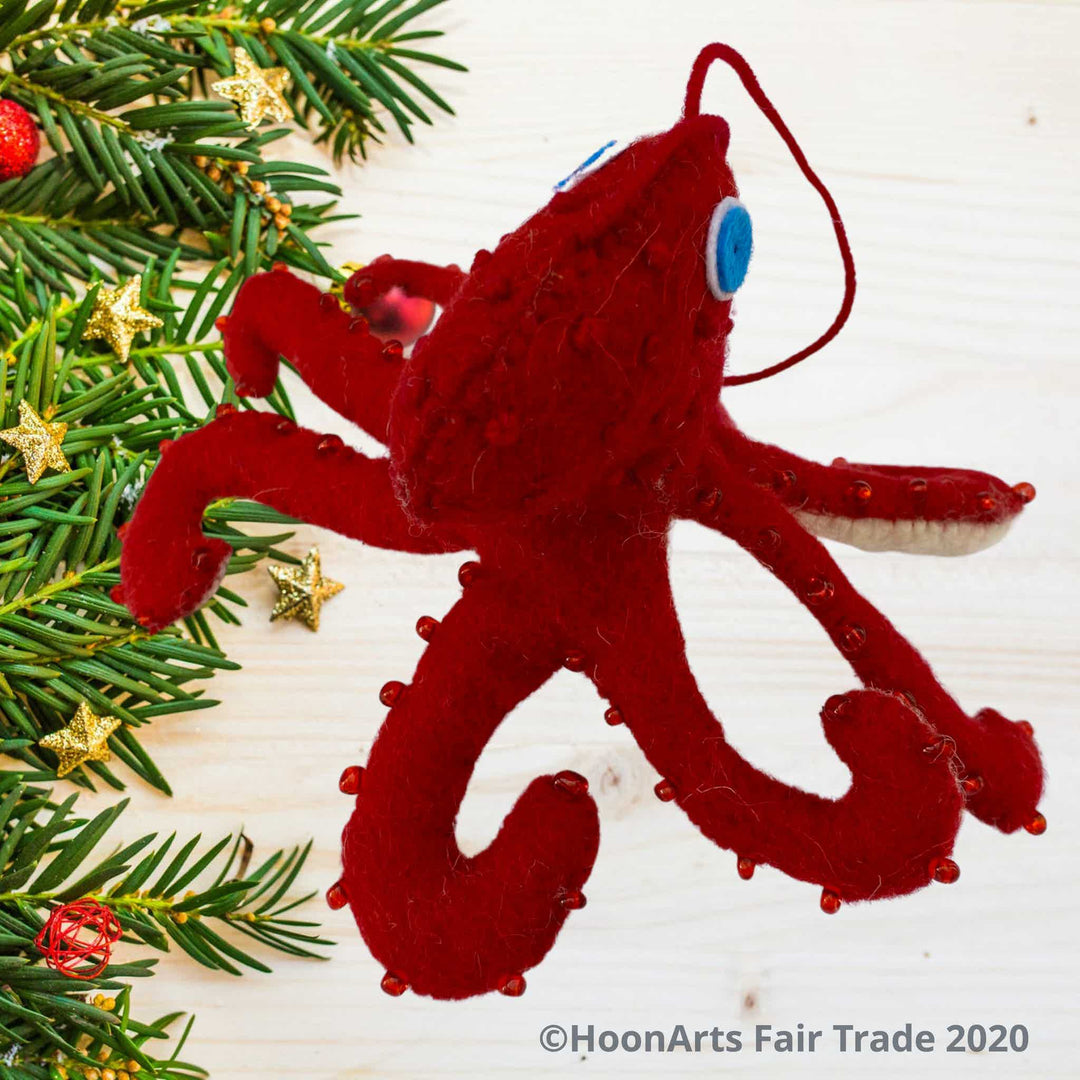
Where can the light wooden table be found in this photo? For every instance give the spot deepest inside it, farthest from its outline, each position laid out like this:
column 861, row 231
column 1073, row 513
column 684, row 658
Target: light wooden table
column 948, row 133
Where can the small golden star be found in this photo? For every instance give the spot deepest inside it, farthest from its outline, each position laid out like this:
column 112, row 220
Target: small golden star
column 303, row 590
column 117, row 317
column 256, row 90
column 39, row 442
column 86, row 738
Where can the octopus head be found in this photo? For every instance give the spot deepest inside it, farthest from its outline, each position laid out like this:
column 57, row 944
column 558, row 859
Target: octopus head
column 582, row 357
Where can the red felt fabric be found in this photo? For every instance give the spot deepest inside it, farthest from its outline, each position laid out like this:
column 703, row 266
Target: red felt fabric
column 563, row 411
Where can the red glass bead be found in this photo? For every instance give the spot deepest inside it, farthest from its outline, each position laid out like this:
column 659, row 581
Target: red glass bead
column 335, row 897
column 328, row 302
column 351, row 779
column 1025, row 727
column 574, row 660
column 357, row 325
column 783, row 480
column 512, row 985
column 220, row 323
column 972, row 785
column 830, row 902
column 665, row 791
column 1037, row 825
column 362, row 291
column 746, row 868
column 226, row 408
column 709, row 499
column 280, row 268
column 393, row 350
column 819, row 591
column 941, row 749
column 571, row 783
column 329, row 444
column 985, row 501
column 613, row 716
column 851, row 637
column 467, row 573
column 572, row 899
column 426, row 626
column 836, row 707
column 767, row 543
column 1025, row 490
column 394, row 985
column 285, row 427
column 860, row 493
column 917, row 489
column 117, row 594
column 944, row 870
column 391, row 693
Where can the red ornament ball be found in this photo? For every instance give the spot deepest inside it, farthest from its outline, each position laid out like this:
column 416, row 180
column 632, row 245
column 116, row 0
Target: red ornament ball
column 77, row 939
column 19, row 140
column 397, row 316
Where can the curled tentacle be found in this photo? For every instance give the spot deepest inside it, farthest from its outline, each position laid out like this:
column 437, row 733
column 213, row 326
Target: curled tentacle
column 880, row 839
column 446, row 925
column 276, row 314
column 930, row 511
column 169, row 567
column 998, row 757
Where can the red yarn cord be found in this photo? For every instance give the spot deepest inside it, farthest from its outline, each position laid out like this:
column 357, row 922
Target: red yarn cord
column 749, row 80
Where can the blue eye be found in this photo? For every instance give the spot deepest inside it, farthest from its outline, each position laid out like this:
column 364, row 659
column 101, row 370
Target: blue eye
column 594, row 161
column 728, row 250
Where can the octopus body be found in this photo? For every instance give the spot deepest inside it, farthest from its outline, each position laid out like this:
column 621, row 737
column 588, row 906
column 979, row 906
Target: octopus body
column 561, row 414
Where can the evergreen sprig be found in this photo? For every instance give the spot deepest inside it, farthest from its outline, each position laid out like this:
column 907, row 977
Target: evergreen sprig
column 206, row 902
column 63, row 639
column 144, row 152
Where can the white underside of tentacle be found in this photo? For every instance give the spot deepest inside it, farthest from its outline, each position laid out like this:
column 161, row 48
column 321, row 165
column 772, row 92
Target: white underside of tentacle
column 914, row 537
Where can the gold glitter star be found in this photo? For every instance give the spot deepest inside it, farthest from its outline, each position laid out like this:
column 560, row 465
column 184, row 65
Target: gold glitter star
column 117, row 317
column 303, row 590
column 256, row 90
column 39, row 442
column 84, row 739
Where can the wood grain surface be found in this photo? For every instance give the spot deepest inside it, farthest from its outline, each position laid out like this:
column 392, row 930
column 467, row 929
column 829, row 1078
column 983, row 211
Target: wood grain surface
column 949, row 134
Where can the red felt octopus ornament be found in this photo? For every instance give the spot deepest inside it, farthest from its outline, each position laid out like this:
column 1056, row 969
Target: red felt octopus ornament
column 563, row 411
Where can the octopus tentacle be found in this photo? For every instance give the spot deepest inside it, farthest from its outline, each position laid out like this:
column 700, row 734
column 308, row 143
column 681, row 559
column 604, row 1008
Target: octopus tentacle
column 884, row 837
column 931, row 511
column 447, row 925
column 1000, row 759
column 168, row 567
column 276, row 314
column 435, row 283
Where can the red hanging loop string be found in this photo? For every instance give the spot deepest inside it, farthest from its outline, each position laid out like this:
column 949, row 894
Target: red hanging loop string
column 735, row 60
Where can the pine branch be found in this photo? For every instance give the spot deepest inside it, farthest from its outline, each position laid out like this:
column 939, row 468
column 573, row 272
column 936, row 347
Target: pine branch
column 63, row 639
column 160, row 893
column 129, row 177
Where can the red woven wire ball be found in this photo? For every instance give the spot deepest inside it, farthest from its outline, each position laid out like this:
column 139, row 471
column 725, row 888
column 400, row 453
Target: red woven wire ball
column 77, row 939
column 19, row 140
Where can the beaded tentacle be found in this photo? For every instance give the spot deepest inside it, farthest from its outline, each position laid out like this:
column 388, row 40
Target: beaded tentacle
column 169, row 567
column 1001, row 773
column 884, row 837
column 920, row 510
column 476, row 923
